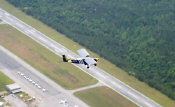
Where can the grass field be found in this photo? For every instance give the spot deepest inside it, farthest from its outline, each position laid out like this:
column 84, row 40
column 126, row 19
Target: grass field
column 42, row 59
column 103, row 97
column 104, row 64
column 4, row 80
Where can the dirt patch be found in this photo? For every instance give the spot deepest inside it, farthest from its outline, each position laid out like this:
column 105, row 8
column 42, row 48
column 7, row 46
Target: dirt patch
column 3, row 92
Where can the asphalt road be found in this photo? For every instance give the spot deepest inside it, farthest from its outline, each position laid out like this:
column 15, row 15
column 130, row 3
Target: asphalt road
column 11, row 65
column 95, row 72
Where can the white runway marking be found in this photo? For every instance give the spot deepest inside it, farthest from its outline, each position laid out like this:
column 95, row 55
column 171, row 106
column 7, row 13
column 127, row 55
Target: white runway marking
column 63, row 49
column 26, row 32
column 53, row 46
column 70, row 56
column 42, row 39
column 132, row 94
column 19, row 25
column 116, row 84
column 58, row 50
column 101, row 75
column 149, row 105
column 7, row 14
column 32, row 31
column 9, row 18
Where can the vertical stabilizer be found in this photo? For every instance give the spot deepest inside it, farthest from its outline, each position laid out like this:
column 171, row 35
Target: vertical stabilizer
column 65, row 59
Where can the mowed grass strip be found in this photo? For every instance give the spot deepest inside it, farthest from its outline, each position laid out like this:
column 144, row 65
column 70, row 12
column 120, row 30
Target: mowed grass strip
column 103, row 97
column 104, row 64
column 4, row 80
column 43, row 59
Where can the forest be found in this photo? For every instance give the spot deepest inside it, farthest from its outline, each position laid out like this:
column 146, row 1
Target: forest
column 136, row 35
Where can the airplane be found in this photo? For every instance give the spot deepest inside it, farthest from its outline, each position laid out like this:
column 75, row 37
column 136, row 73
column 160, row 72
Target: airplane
column 85, row 59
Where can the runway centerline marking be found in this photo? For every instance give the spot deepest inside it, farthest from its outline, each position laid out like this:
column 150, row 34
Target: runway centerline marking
column 44, row 40
column 32, row 31
column 26, row 31
column 58, row 50
column 116, row 84
column 19, row 25
column 132, row 94
column 101, row 75
column 52, row 45
column 149, row 105
column 7, row 14
column 70, row 56
column 10, row 18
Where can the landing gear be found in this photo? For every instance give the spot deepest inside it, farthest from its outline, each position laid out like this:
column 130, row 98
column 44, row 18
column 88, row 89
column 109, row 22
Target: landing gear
column 95, row 64
column 87, row 67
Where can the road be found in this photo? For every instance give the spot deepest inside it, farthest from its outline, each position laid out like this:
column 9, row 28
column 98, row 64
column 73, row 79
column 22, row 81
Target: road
column 11, row 65
column 95, row 72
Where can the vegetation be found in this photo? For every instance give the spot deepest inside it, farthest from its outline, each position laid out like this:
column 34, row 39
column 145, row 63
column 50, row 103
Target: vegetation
column 4, row 80
column 24, row 97
column 1, row 99
column 49, row 63
column 137, row 36
column 103, row 97
column 103, row 63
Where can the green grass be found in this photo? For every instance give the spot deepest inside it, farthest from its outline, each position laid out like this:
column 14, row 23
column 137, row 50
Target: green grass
column 4, row 80
column 2, row 100
column 25, row 96
column 43, row 60
column 104, row 64
column 103, row 97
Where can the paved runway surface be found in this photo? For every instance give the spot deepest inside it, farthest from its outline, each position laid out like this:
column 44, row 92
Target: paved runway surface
column 12, row 65
column 95, row 72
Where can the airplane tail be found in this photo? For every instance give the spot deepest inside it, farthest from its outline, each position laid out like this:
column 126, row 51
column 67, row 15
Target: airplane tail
column 96, row 59
column 65, row 59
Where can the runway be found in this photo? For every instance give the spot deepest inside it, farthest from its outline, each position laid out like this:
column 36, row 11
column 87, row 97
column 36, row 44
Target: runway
column 95, row 72
column 11, row 65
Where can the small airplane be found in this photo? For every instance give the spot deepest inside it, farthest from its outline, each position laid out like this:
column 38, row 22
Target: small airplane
column 85, row 59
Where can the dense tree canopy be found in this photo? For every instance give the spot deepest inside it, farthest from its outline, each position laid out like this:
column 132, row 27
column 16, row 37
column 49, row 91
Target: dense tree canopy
column 136, row 35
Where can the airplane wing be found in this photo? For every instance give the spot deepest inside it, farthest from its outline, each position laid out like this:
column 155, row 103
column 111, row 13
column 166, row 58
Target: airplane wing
column 83, row 53
column 90, row 61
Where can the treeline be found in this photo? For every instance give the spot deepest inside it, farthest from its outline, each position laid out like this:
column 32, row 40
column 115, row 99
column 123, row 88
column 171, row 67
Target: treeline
column 136, row 35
